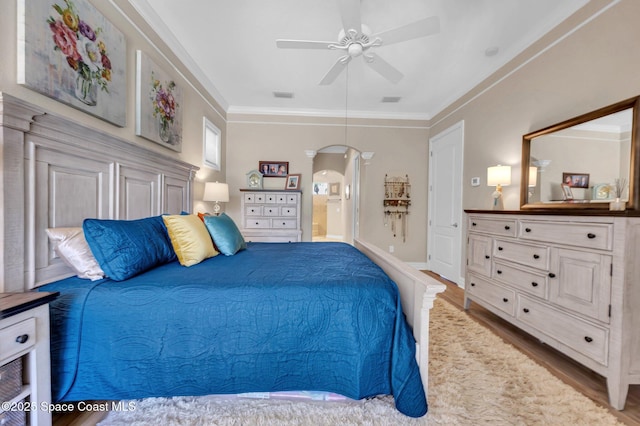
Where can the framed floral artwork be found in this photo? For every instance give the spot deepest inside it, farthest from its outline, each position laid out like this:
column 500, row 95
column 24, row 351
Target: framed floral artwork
column 69, row 51
column 158, row 104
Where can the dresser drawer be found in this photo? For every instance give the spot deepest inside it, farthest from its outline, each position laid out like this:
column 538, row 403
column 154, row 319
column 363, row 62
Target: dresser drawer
column 581, row 336
column 288, row 211
column 258, row 223
column 292, row 198
column 531, row 281
column 526, row 254
column 284, row 223
column 271, row 198
column 502, row 227
column 586, row 235
column 10, row 338
column 253, row 210
column 496, row 295
column 281, row 198
column 271, row 211
column 249, row 198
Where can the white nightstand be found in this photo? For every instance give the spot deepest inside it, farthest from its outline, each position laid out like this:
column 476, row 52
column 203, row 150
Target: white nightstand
column 24, row 335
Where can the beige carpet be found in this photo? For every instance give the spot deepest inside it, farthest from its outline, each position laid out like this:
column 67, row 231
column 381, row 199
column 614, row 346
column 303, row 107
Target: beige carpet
column 475, row 379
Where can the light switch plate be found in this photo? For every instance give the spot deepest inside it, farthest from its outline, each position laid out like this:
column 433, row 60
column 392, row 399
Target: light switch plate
column 475, row 181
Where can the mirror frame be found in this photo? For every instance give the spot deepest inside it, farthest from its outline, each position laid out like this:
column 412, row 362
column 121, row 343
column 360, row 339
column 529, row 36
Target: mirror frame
column 634, row 175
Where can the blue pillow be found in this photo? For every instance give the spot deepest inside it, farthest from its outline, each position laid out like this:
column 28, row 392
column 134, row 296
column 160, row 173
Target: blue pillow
column 226, row 235
column 125, row 248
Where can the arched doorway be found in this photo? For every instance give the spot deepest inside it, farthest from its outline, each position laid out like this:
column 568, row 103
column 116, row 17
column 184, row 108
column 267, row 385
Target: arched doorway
column 335, row 194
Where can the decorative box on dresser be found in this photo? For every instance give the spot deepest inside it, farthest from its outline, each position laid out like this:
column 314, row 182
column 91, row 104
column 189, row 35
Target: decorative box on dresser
column 25, row 371
column 572, row 281
column 271, row 215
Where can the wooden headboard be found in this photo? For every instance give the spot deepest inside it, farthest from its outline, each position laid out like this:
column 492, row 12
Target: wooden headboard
column 57, row 172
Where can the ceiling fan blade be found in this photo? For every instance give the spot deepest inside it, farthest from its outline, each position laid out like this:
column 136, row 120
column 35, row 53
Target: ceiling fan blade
column 383, row 68
column 350, row 13
column 421, row 28
column 303, row 44
column 335, row 70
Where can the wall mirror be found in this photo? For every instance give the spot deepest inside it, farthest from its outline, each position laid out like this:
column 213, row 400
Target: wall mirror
column 575, row 164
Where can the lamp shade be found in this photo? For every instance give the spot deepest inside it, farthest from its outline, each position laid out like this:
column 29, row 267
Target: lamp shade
column 499, row 175
column 216, row 191
column 533, row 176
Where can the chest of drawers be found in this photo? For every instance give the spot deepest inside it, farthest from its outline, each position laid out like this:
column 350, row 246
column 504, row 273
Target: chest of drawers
column 271, row 216
column 570, row 281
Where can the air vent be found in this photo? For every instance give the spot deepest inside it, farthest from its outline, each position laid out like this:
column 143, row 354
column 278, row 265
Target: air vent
column 285, row 95
column 391, row 99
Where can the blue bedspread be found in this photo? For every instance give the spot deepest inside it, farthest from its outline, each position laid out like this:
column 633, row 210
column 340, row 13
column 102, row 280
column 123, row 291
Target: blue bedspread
column 274, row 317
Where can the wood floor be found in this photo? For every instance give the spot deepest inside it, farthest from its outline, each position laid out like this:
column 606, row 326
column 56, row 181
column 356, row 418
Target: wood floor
column 580, row 378
column 572, row 373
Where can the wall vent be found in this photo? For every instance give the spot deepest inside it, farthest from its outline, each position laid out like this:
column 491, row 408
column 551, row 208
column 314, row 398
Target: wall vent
column 285, row 95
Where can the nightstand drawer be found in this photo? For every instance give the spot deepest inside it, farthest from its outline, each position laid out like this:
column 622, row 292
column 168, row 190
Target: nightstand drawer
column 17, row 338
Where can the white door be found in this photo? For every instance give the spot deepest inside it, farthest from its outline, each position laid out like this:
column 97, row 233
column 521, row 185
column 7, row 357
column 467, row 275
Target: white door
column 444, row 251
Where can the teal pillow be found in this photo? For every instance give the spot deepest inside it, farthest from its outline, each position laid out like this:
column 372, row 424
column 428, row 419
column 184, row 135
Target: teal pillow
column 226, row 235
column 125, row 248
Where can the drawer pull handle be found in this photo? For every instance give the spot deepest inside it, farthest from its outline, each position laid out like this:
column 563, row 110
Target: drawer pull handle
column 499, row 272
column 525, row 310
column 588, row 339
column 284, row 223
column 22, row 338
column 256, row 223
column 527, row 229
column 473, row 284
column 505, row 300
column 552, row 275
column 507, row 227
column 591, row 236
column 535, row 256
column 487, row 256
column 534, row 284
column 474, row 224
column 500, row 248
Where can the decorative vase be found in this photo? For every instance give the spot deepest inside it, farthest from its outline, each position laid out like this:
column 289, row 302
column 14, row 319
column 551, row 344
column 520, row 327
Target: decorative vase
column 164, row 130
column 86, row 91
column 617, row 205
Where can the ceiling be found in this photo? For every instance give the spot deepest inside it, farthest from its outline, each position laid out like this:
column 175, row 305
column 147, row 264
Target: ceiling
column 230, row 46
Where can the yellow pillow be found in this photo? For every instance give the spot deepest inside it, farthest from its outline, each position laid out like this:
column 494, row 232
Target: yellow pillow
column 190, row 239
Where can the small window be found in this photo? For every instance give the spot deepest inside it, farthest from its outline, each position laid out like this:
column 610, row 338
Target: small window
column 211, row 141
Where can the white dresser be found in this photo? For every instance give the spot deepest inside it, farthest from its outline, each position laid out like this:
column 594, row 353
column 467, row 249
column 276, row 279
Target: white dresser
column 571, row 281
column 271, row 216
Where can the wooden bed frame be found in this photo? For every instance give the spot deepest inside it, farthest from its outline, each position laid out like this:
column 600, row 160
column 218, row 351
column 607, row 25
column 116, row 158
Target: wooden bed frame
column 56, row 172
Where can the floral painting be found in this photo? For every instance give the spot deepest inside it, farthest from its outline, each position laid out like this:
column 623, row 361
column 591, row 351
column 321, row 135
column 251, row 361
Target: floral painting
column 69, row 51
column 158, row 104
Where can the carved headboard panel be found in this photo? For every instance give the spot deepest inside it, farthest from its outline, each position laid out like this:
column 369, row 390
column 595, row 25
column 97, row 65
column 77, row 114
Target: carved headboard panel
column 63, row 172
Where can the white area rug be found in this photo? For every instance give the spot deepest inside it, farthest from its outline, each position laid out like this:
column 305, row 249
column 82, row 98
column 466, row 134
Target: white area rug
column 475, row 379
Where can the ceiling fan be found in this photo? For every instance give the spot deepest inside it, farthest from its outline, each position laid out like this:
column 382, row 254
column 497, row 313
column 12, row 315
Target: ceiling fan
column 355, row 39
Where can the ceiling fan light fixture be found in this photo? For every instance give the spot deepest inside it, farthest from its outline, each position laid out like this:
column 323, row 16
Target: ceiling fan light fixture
column 355, row 50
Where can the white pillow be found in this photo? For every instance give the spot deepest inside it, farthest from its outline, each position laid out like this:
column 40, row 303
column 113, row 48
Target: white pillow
column 73, row 249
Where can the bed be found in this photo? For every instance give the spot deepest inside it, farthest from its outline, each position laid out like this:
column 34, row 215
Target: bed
column 63, row 172
column 273, row 317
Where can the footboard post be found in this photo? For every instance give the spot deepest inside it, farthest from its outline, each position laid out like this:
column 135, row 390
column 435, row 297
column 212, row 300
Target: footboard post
column 417, row 293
